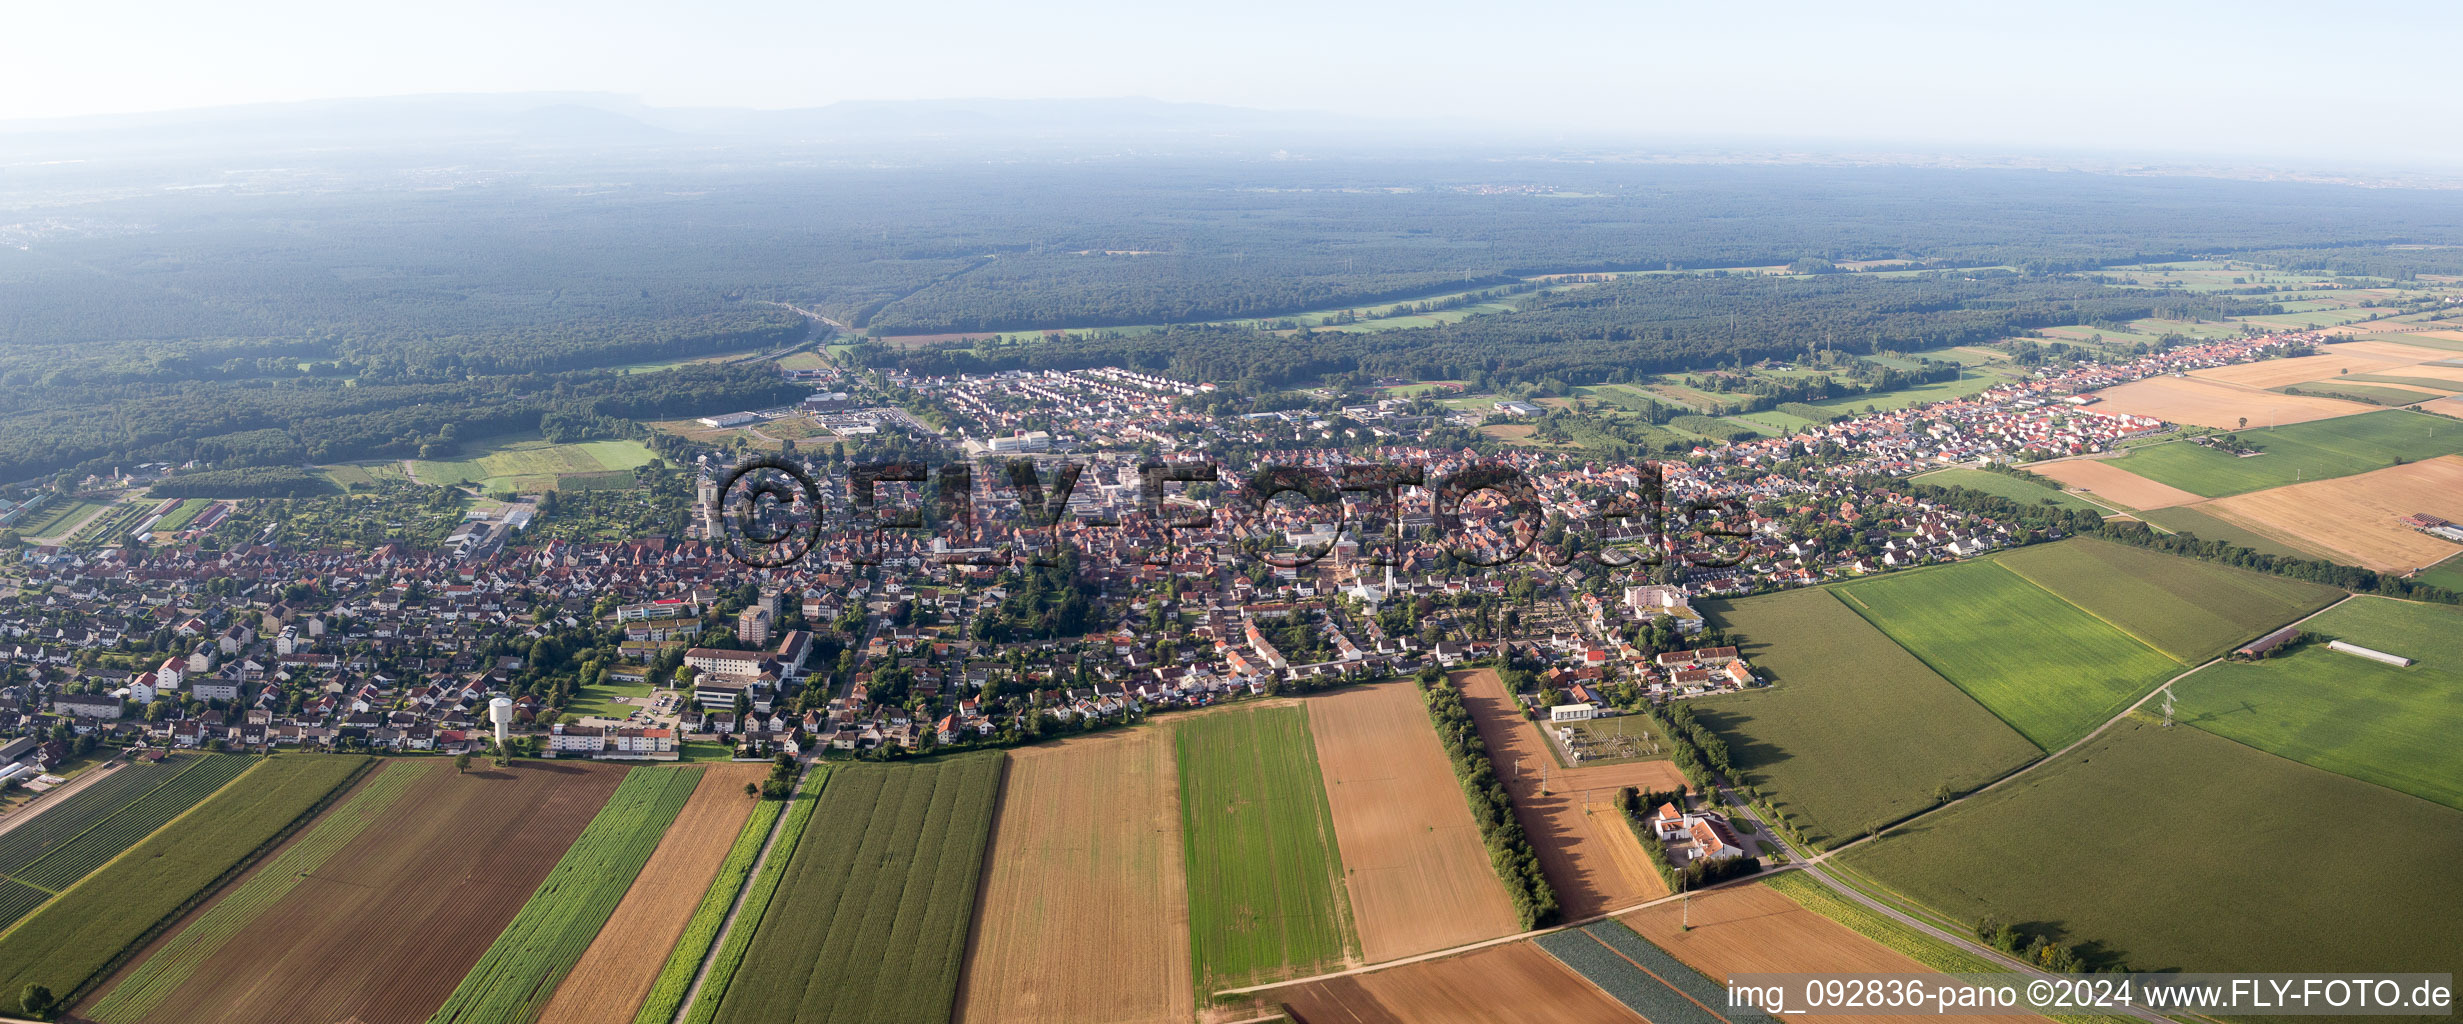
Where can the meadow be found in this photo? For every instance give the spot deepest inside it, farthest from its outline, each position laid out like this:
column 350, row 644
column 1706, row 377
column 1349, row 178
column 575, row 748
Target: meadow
column 2191, row 610
column 2395, row 727
column 2317, row 450
column 2365, row 394
column 877, row 906
column 2049, row 669
column 517, row 975
column 1854, row 731
column 533, row 465
column 2187, row 826
column 69, row 943
column 1266, row 898
column 2003, row 485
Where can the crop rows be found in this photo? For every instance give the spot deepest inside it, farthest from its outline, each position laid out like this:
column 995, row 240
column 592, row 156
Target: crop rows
column 676, row 977
column 66, row 945
column 1266, row 898
column 881, row 911
column 1673, row 972
column 101, row 799
column 152, row 981
column 721, row 974
column 1621, row 980
column 519, row 973
column 79, row 856
column 17, row 899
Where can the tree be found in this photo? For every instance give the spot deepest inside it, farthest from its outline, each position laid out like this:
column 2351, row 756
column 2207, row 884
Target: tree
column 38, row 1002
column 461, row 762
column 2244, row 423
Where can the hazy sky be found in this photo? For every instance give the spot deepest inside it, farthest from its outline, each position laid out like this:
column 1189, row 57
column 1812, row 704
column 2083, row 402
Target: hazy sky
column 2363, row 79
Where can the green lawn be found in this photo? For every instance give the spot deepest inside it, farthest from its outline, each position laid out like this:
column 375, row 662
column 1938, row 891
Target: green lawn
column 2026, row 492
column 870, row 922
column 2049, row 669
column 1266, row 894
column 534, row 465
column 1855, row 731
column 2188, row 609
column 2188, row 519
column 2318, row 450
column 2176, row 849
column 599, row 700
column 2377, row 723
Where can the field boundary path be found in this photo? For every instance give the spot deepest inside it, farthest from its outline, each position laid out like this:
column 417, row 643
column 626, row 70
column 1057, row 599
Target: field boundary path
column 719, row 940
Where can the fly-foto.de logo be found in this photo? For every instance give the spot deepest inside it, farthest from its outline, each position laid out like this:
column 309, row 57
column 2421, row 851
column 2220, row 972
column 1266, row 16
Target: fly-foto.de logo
column 773, row 512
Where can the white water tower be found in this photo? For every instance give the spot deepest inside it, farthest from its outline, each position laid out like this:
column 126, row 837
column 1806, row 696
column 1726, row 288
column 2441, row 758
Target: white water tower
column 500, row 711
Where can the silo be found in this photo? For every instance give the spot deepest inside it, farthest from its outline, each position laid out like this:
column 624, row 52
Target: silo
column 500, row 711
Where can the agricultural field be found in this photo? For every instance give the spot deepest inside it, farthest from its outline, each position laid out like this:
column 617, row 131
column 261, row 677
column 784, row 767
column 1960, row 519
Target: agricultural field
column 2355, row 519
column 365, row 476
column 1644, row 977
column 876, row 906
column 2191, row 610
column 524, row 467
column 1266, row 897
column 1515, row 981
column 615, row 975
column 2193, row 520
column 2447, row 574
column 2113, row 485
column 1754, row 929
column 1085, row 914
column 2318, row 450
column 1570, row 815
column 62, row 859
column 726, row 947
column 665, row 995
column 2367, row 394
column 57, row 517
column 1417, row 871
column 2003, row 485
column 29, row 840
column 2374, row 722
column 559, row 923
column 141, row 990
column 2196, row 824
column 2208, row 403
column 342, row 943
column 2049, row 669
column 2340, row 360
column 183, row 515
column 69, row 944
column 1921, row 394
column 1854, row 732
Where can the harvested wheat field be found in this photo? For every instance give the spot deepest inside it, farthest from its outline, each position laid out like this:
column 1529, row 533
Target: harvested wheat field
column 1419, row 875
column 1084, row 915
column 1589, row 854
column 615, row 973
column 2105, row 480
column 2354, row 517
column 2208, row 403
column 2443, row 407
column 384, row 930
column 2355, row 357
column 1750, row 929
column 1515, row 981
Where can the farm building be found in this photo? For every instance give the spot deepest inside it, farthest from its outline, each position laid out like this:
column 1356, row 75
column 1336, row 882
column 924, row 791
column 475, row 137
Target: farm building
column 2261, row 646
column 2358, row 651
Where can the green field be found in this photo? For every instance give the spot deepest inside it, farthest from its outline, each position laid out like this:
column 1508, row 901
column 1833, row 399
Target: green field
column 56, row 517
column 365, row 475
column 2395, row 727
column 50, row 853
column 2003, row 485
column 758, row 893
column 2049, row 669
column 600, row 701
column 1266, row 894
column 1855, row 731
column 170, row 964
column 519, row 973
column 181, row 516
column 2188, row 609
column 2176, row 849
column 2188, row 519
column 68, row 944
column 2362, row 393
column 1937, row 391
column 684, row 962
column 2447, row 574
column 2318, row 450
column 872, row 917
column 2432, row 383
column 532, row 466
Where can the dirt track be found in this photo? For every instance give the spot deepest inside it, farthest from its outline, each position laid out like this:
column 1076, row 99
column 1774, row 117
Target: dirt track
column 1589, row 854
column 1413, row 860
column 1084, row 913
column 614, row 975
column 1517, row 981
column 386, row 929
